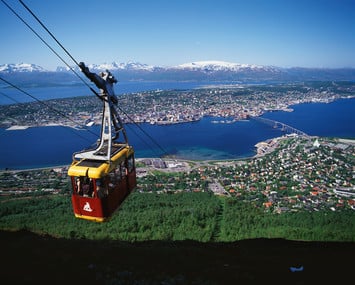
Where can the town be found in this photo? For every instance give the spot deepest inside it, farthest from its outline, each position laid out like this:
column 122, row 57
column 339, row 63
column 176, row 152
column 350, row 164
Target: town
column 289, row 173
column 176, row 106
column 297, row 173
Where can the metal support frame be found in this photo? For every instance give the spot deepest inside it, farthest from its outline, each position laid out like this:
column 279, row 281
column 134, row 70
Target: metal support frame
column 111, row 126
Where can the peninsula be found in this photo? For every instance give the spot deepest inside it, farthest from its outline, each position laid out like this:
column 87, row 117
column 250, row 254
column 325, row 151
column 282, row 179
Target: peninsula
column 234, row 101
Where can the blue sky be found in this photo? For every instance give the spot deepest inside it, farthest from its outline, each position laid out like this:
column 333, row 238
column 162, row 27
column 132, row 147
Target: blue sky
column 288, row 33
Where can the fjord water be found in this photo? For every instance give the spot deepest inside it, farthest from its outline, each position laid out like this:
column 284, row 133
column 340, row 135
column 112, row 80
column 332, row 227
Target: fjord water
column 202, row 140
column 334, row 119
column 73, row 90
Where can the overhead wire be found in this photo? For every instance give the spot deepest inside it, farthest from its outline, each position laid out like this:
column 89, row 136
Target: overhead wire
column 63, row 48
column 144, row 141
column 44, row 27
column 144, row 132
column 9, row 97
column 73, row 59
column 45, row 104
column 41, row 38
column 18, row 102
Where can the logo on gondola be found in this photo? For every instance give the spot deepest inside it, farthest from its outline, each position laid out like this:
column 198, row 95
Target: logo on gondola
column 87, row 207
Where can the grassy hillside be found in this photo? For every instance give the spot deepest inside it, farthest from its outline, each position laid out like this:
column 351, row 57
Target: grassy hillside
column 187, row 216
column 187, row 238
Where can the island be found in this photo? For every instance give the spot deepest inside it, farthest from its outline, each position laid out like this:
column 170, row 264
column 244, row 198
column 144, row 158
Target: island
column 234, row 102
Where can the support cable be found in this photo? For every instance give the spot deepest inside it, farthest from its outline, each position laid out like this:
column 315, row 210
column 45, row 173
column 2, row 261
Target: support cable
column 47, row 105
column 143, row 131
column 9, row 97
column 66, row 51
column 44, row 27
column 26, row 24
column 18, row 102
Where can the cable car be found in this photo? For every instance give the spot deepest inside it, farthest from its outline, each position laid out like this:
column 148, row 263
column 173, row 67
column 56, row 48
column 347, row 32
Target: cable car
column 99, row 187
column 102, row 177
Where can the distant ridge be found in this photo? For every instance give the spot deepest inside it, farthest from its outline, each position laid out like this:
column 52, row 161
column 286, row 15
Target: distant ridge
column 113, row 66
column 21, row 67
column 192, row 71
column 223, row 66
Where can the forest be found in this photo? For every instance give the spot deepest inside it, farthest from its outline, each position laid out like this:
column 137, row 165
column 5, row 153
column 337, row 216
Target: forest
column 201, row 217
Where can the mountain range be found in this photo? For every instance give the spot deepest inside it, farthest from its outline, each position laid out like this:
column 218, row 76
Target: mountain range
column 193, row 71
column 20, row 67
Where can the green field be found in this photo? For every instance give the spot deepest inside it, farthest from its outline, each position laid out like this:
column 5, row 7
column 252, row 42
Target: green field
column 200, row 217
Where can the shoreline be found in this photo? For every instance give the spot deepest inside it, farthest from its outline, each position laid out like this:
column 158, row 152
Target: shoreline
column 257, row 154
column 17, row 128
column 25, row 127
column 286, row 108
column 195, row 157
column 2, row 170
column 261, row 149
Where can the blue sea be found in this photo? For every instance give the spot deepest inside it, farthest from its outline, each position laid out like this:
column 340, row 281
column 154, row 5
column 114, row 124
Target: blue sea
column 68, row 90
column 202, row 140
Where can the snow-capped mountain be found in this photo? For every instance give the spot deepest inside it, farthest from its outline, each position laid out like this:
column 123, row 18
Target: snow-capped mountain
column 121, row 66
column 202, row 66
column 211, row 67
column 219, row 66
column 21, row 67
column 114, row 66
column 193, row 71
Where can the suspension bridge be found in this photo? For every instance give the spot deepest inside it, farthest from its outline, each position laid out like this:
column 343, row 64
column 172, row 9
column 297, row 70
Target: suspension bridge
column 279, row 125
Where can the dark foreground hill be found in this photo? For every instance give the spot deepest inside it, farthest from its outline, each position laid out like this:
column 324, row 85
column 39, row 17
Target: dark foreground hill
column 27, row 258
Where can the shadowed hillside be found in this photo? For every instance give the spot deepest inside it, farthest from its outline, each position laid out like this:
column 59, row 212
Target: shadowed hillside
column 171, row 239
column 27, row 258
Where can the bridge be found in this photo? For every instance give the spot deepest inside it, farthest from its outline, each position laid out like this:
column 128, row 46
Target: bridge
column 279, row 125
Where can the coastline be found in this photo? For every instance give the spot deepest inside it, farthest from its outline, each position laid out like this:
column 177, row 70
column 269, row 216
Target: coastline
column 47, row 167
column 25, row 127
column 17, row 128
column 198, row 152
column 262, row 148
column 256, row 113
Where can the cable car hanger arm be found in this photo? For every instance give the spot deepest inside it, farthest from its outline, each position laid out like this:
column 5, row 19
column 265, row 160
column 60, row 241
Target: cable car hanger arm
column 104, row 82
